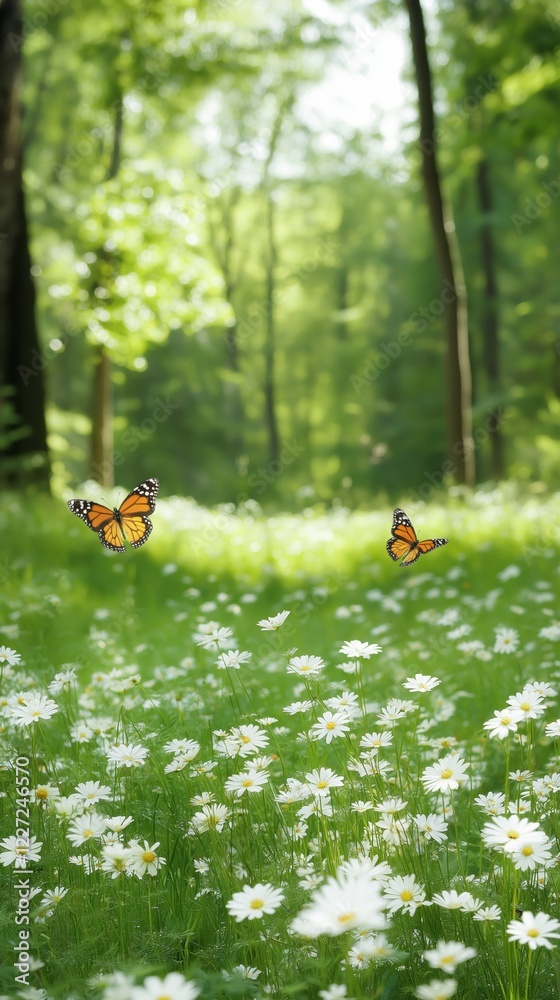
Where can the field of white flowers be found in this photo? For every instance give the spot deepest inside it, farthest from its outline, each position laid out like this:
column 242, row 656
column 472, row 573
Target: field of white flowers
column 257, row 758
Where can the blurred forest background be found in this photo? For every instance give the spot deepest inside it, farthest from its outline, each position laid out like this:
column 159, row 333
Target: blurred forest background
column 219, row 255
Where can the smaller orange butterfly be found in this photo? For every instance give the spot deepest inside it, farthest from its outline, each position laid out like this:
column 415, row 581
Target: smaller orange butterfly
column 130, row 521
column 404, row 542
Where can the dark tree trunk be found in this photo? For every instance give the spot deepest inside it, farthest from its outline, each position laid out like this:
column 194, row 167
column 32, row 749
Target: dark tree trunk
column 24, row 457
column 342, row 304
column 490, row 325
column 117, row 140
column 459, row 416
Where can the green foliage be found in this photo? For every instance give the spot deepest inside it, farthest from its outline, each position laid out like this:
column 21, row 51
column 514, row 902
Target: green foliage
column 147, row 140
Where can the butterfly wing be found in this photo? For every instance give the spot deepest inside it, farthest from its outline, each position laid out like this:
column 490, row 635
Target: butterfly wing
column 404, row 544
column 134, row 511
column 404, row 539
column 397, row 548
column 141, row 500
column 431, row 543
column 137, row 530
column 402, row 527
column 411, row 556
column 95, row 515
column 132, row 523
column 111, row 536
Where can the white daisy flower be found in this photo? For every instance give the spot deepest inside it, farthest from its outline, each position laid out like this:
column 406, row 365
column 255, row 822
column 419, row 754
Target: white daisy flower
column 254, row 901
column 534, row 930
column 273, row 623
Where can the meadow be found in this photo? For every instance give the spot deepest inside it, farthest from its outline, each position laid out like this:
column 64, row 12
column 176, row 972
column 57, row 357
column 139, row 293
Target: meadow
column 309, row 806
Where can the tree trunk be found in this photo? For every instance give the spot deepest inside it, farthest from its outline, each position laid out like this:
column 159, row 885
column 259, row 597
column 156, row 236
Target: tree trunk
column 24, row 456
column 102, row 469
column 223, row 252
column 270, row 295
column 102, row 450
column 490, row 313
column 459, row 415
column 270, row 331
column 342, row 304
column 117, row 140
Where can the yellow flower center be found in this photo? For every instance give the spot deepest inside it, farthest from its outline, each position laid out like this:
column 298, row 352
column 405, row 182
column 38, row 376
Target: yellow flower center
column 533, row 932
column 330, row 725
column 87, row 833
column 322, row 784
column 406, row 895
column 513, row 834
column 148, row 857
column 256, row 904
column 527, row 850
column 446, row 773
column 42, row 793
column 248, row 782
column 345, row 918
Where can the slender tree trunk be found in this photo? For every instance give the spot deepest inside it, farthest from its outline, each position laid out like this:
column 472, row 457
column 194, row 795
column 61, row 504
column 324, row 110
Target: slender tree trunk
column 490, row 325
column 270, row 293
column 270, row 335
column 342, row 304
column 102, row 444
column 342, row 277
column 223, row 251
column 24, row 456
column 117, row 140
column 225, row 261
column 102, row 468
column 459, row 415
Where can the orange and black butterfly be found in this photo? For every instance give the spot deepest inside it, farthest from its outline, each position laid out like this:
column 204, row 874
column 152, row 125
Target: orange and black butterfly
column 128, row 522
column 404, row 544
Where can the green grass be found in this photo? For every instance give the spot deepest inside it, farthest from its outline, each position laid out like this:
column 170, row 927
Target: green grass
column 129, row 621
